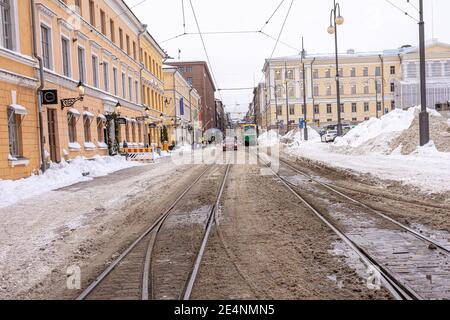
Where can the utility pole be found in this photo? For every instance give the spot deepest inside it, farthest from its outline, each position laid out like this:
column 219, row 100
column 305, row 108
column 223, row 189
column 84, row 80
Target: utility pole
column 287, row 96
column 424, row 120
column 276, row 109
column 304, row 91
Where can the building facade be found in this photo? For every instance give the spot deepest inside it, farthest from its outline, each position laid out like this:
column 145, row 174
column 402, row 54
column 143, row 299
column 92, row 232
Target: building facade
column 182, row 108
column 220, row 120
column 198, row 74
column 372, row 84
column 98, row 71
column 152, row 77
column 19, row 130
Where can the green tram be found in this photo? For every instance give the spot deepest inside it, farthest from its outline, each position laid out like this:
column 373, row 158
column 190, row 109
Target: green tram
column 250, row 135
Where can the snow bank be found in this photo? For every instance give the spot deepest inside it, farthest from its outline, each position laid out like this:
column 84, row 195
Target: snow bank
column 270, row 138
column 60, row 175
column 386, row 128
column 296, row 137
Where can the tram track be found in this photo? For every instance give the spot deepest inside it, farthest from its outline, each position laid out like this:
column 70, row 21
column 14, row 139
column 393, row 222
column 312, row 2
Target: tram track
column 132, row 274
column 404, row 279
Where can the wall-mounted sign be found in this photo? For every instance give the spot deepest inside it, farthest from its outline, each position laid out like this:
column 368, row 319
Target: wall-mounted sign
column 49, row 97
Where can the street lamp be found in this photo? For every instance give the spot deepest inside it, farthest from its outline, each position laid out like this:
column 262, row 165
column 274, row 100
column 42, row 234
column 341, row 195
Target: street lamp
column 424, row 120
column 118, row 108
column 336, row 20
column 70, row 102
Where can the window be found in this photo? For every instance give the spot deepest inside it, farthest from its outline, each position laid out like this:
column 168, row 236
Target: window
column 92, row 12
column 366, row 88
column 78, row 6
column 277, row 74
column 14, row 122
column 329, row 90
column 124, row 90
column 392, row 104
column 328, row 73
column 6, row 24
column 342, row 108
column 280, row 110
column 127, row 39
column 378, row 86
column 392, row 87
column 134, row 50
column 316, row 109
column 341, row 89
column 354, row 119
column 341, row 72
column 378, row 106
column 133, row 132
column 130, row 88
column 189, row 80
column 353, row 88
column 106, row 76
column 87, row 128
column 316, row 90
column 354, row 107
column 366, row 72
column 127, row 132
column 115, row 84
column 353, row 72
column 292, row 109
column 65, row 50
column 315, row 74
column 103, row 22
column 81, row 65
column 291, row 92
column 101, row 130
column 366, row 107
column 121, row 38
column 72, row 125
column 46, row 46
column 95, row 71
column 392, row 70
column 290, row 74
column 329, row 109
column 140, row 132
column 189, row 69
column 378, row 71
column 136, row 93
column 112, row 30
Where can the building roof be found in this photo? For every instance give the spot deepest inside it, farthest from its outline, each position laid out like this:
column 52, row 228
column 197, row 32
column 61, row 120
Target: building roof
column 190, row 63
column 352, row 54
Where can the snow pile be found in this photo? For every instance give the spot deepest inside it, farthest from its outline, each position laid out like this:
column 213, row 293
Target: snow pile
column 270, row 138
column 60, row 175
column 296, row 137
column 376, row 134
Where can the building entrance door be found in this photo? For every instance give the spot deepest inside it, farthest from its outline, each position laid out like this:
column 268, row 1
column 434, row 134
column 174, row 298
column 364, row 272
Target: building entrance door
column 51, row 118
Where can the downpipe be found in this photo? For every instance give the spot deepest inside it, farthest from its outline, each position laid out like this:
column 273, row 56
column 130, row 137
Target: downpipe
column 41, row 86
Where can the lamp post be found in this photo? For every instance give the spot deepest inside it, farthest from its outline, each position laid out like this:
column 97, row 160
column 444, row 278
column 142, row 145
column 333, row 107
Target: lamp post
column 335, row 20
column 70, row 102
column 424, row 121
column 304, row 91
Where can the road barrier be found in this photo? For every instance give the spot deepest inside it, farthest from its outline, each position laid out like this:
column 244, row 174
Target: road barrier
column 139, row 154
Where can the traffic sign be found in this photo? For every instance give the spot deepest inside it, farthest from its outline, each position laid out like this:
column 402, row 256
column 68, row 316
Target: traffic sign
column 301, row 123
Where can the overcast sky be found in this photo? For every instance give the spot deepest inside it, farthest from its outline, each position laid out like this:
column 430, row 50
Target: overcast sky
column 237, row 59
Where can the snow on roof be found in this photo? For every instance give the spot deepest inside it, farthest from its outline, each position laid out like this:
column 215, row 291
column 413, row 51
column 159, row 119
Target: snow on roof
column 18, row 109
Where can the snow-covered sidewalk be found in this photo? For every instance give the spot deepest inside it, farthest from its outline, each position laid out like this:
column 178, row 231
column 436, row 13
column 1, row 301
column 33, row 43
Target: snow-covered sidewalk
column 60, row 175
column 386, row 148
column 426, row 169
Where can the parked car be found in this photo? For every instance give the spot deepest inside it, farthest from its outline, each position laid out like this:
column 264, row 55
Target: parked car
column 329, row 136
column 230, row 144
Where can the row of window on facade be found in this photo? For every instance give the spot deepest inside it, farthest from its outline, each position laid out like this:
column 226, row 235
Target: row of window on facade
column 290, row 73
column 365, row 107
column 434, row 69
column 133, row 129
column 133, row 86
column 281, row 90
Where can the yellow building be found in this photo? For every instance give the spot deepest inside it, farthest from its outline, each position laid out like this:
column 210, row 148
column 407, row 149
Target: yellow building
column 182, row 107
column 152, row 87
column 94, row 42
column 372, row 84
column 19, row 131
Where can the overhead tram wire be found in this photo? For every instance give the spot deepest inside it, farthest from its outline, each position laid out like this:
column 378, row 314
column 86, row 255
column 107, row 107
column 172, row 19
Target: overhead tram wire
column 400, row 9
column 204, row 46
column 271, row 16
